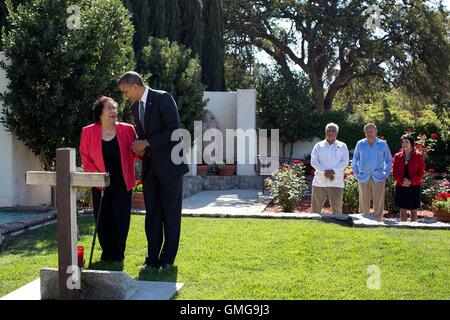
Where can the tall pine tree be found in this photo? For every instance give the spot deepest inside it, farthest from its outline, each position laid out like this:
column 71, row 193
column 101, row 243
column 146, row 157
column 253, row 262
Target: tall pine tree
column 140, row 16
column 158, row 18
column 173, row 24
column 213, row 69
column 191, row 25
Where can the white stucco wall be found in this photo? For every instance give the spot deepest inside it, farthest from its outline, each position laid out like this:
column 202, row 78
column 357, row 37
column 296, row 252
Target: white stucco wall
column 15, row 160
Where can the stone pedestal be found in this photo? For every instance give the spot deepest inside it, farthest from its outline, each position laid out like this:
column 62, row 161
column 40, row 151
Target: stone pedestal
column 95, row 285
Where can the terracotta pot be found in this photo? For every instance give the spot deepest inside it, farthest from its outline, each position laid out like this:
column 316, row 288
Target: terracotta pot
column 202, row 170
column 137, row 201
column 441, row 215
column 228, row 170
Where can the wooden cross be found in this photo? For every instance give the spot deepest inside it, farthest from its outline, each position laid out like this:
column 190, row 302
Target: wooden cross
column 66, row 179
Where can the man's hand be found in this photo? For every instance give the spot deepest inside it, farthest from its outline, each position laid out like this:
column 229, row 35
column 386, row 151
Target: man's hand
column 141, row 154
column 139, row 146
column 329, row 174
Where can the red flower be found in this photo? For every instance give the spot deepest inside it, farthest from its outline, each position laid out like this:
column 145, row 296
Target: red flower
column 409, row 130
column 446, row 183
column 422, row 136
column 313, row 171
column 139, row 181
column 352, row 173
column 431, row 170
column 296, row 161
column 345, row 176
column 434, row 136
column 425, row 148
column 418, row 146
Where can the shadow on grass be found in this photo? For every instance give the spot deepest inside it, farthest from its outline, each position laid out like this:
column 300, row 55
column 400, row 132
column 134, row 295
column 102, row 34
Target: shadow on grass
column 152, row 274
column 107, row 266
column 42, row 241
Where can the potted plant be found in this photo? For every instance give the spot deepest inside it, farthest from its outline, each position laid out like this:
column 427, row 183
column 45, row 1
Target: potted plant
column 441, row 207
column 137, row 200
column 202, row 170
column 226, row 169
column 213, row 167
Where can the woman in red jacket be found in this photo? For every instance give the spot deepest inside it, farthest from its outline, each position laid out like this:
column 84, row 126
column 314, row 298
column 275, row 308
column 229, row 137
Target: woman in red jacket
column 409, row 167
column 106, row 147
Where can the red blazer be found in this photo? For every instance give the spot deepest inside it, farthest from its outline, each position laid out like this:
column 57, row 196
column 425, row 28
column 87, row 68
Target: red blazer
column 91, row 150
column 416, row 168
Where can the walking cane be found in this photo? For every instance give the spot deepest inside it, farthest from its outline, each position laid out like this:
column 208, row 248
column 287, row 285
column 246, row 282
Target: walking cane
column 96, row 226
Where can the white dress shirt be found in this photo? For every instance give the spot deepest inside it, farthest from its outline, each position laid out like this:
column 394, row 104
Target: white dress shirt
column 327, row 156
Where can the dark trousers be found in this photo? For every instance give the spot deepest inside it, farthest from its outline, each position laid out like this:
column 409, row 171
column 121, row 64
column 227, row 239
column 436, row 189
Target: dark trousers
column 163, row 200
column 114, row 221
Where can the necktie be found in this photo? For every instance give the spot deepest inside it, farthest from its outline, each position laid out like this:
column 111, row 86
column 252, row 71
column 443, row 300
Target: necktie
column 141, row 113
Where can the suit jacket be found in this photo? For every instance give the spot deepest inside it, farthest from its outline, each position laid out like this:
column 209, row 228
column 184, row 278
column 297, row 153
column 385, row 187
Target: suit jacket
column 92, row 155
column 160, row 120
column 416, row 168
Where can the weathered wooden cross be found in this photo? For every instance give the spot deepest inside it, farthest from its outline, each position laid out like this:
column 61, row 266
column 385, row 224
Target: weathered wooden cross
column 66, row 179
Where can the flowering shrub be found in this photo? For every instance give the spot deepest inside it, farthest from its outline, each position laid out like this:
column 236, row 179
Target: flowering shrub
column 288, row 185
column 138, row 187
column 442, row 202
column 432, row 187
column 351, row 194
column 424, row 144
column 389, row 196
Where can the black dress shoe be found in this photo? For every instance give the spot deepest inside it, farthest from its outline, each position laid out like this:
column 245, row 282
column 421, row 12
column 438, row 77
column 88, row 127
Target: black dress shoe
column 150, row 265
column 166, row 266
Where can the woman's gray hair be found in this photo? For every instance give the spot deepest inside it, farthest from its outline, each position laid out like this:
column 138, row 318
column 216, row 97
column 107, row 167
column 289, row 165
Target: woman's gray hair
column 131, row 78
column 332, row 124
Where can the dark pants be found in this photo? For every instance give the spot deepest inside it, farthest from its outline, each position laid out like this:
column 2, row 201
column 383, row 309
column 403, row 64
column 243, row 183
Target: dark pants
column 163, row 218
column 114, row 221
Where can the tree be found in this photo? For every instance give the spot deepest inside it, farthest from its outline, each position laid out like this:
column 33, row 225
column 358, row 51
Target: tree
column 56, row 73
column 333, row 42
column 285, row 103
column 173, row 16
column 157, row 18
column 191, row 25
column 169, row 66
column 213, row 69
column 140, row 16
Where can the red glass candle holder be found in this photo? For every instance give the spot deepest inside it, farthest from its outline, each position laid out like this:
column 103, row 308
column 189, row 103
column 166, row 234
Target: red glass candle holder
column 80, row 254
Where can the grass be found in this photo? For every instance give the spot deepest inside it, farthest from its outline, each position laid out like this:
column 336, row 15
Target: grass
column 264, row 259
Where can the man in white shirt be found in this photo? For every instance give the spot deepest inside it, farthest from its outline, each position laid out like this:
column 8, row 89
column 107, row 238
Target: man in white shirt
column 329, row 158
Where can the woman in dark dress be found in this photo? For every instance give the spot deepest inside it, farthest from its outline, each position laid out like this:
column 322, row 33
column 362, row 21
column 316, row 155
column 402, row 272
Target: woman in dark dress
column 106, row 147
column 408, row 170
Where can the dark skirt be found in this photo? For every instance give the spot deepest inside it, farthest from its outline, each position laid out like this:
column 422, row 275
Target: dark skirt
column 407, row 197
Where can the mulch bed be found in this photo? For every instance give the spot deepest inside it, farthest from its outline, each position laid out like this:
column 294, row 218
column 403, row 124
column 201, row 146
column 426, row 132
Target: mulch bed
column 305, row 207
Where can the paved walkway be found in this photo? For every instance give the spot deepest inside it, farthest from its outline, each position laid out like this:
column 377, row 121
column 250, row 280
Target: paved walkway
column 251, row 204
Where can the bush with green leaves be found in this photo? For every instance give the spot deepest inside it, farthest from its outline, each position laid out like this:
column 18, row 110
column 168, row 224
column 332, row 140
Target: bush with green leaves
column 288, row 186
column 285, row 104
column 56, row 71
column 351, row 193
column 169, row 66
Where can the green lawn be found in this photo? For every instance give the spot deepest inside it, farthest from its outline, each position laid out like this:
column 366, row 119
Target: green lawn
column 265, row 259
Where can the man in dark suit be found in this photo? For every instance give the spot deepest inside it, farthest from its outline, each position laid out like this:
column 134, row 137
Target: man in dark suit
column 156, row 116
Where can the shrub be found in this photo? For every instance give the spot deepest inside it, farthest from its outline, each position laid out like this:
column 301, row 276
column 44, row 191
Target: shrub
column 56, row 73
column 288, row 186
column 351, row 193
column 168, row 66
column 389, row 197
column 442, row 202
column 431, row 187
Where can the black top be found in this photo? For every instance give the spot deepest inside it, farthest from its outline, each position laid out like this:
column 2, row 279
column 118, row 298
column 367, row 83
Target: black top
column 113, row 163
column 405, row 173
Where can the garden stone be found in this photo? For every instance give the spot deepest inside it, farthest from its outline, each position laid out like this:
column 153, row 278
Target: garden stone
column 95, row 285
